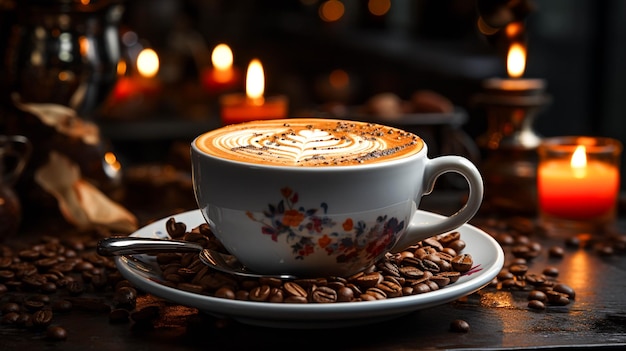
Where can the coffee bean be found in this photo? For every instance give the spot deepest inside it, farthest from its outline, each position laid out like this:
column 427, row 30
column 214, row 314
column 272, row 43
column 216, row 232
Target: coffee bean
column 557, row 298
column 225, row 293
column 175, row 229
column 556, row 252
column 537, row 295
column 434, row 243
column 551, row 271
column 56, row 333
column 10, row 318
column 368, row 280
column 345, row 294
column 565, row 289
column 459, row 326
column 260, row 293
column 33, row 305
column 42, row 318
column 518, row 269
column 6, row 275
column 536, row 305
column 9, row 307
column 447, row 238
column 276, row 295
column 323, row 294
column 294, row 289
column 462, row 262
column 411, row 272
column 125, row 297
column 457, row 245
column 391, row 288
column 440, row 280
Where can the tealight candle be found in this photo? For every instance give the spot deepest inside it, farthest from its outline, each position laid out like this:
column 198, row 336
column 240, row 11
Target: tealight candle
column 223, row 75
column 578, row 182
column 140, row 83
column 236, row 108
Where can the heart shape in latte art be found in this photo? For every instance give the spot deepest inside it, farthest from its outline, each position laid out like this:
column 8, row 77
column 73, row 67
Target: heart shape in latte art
column 309, row 142
column 318, row 144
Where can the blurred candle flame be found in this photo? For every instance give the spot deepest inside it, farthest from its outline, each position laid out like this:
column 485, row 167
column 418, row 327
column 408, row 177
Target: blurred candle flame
column 516, row 60
column 222, row 59
column 148, row 63
column 579, row 161
column 255, row 83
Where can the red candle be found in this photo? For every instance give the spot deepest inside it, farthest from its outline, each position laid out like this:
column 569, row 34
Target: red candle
column 236, row 108
column 139, row 83
column 223, row 75
column 579, row 188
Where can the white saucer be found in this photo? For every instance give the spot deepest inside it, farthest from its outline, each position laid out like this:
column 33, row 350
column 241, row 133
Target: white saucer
column 143, row 272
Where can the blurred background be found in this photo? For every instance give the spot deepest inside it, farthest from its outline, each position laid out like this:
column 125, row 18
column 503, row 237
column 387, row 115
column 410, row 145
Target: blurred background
column 348, row 58
column 575, row 45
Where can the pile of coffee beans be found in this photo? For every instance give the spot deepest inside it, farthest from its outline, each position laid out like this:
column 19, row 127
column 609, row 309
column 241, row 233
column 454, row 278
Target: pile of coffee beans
column 54, row 277
column 431, row 265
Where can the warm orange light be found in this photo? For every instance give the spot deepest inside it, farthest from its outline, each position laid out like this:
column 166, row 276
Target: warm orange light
column 331, row 10
column 121, row 68
column 111, row 160
column 516, row 60
column 148, row 63
column 83, row 45
column 579, row 162
column 222, row 57
column 378, row 7
column 255, row 82
column 514, row 29
column 339, row 79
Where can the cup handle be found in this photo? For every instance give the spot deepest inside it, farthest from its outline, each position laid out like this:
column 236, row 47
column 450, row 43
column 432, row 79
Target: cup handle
column 416, row 230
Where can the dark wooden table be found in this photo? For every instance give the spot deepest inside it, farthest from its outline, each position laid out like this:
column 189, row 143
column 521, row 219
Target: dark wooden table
column 499, row 317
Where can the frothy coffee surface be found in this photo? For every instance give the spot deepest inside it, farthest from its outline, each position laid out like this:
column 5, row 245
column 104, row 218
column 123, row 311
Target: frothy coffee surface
column 309, row 142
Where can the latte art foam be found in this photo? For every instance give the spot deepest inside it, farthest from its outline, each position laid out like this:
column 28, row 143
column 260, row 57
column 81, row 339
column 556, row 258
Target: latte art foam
column 309, row 142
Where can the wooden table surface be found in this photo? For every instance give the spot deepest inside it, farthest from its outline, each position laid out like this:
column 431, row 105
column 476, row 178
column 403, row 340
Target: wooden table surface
column 499, row 317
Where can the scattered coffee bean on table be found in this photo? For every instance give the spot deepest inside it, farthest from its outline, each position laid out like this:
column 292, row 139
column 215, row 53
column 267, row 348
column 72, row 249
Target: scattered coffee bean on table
column 459, row 326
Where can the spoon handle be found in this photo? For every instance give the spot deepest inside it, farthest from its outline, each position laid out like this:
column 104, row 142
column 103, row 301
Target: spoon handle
column 117, row 246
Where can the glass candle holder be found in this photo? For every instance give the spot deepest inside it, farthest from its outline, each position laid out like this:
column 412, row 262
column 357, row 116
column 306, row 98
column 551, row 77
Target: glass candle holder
column 578, row 182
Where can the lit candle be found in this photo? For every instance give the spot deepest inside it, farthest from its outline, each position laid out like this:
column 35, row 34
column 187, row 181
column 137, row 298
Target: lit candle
column 223, row 75
column 237, row 108
column 142, row 83
column 516, row 65
column 581, row 187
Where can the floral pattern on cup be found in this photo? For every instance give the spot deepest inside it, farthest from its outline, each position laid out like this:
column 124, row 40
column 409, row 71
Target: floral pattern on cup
column 311, row 230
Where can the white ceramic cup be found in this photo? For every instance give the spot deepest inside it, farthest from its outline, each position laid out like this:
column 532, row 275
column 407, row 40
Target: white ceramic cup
column 327, row 219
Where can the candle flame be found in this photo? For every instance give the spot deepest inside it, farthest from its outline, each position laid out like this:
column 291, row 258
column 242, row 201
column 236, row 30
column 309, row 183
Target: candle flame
column 579, row 161
column 222, row 57
column 255, row 82
column 148, row 63
column 516, row 60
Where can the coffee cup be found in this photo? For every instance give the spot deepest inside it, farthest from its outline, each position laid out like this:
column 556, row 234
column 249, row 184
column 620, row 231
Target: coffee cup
column 318, row 197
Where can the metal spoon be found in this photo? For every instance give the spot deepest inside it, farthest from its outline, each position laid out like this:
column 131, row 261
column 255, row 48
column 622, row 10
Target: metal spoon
column 118, row 246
